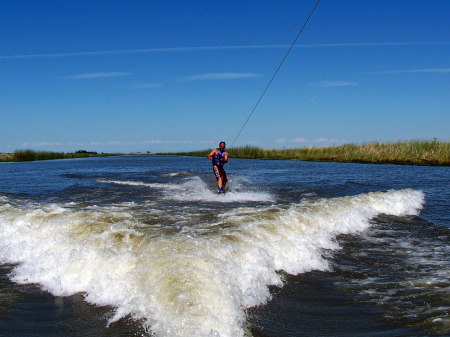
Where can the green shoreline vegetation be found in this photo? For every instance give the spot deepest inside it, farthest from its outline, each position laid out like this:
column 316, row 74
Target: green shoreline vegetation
column 406, row 153
column 31, row 155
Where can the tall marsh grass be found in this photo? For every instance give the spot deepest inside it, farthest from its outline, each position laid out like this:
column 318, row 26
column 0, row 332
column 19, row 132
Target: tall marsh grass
column 31, row 155
column 410, row 152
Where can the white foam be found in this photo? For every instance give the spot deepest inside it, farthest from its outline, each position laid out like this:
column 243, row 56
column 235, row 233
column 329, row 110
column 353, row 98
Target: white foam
column 193, row 282
column 195, row 189
column 134, row 183
column 175, row 174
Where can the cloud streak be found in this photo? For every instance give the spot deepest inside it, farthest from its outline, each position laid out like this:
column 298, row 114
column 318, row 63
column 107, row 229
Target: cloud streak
column 330, row 84
column 321, row 140
column 215, row 48
column 91, row 76
column 146, row 85
column 115, row 143
column 218, row 76
column 416, row 71
column 299, row 140
column 46, row 143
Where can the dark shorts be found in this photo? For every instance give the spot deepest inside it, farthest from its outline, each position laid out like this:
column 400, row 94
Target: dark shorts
column 220, row 173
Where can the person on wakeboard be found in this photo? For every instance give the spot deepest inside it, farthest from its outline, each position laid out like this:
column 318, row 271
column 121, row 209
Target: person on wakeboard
column 219, row 158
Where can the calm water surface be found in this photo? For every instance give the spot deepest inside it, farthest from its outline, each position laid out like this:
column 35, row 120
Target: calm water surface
column 143, row 246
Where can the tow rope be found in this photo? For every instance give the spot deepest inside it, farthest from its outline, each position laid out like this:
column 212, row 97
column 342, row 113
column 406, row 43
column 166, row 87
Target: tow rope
column 276, row 71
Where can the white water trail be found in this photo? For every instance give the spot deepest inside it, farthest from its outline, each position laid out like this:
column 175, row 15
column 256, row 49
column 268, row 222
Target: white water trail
column 195, row 189
column 195, row 282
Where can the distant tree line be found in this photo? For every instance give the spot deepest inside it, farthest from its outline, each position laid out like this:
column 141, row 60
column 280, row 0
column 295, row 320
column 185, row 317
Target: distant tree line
column 84, row 151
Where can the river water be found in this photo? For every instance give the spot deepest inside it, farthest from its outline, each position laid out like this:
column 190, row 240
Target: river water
column 143, row 246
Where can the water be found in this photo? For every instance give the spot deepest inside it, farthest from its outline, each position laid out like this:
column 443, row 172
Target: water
column 143, row 246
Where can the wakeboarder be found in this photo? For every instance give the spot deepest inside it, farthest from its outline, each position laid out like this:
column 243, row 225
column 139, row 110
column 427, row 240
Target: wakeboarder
column 219, row 158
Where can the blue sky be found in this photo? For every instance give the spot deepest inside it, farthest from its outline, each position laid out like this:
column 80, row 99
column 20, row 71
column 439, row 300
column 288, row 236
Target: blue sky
column 124, row 76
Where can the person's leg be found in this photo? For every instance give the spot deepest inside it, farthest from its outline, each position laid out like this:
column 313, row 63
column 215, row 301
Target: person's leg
column 223, row 177
column 218, row 176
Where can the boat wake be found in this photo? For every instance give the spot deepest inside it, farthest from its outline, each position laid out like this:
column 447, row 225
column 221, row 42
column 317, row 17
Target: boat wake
column 194, row 189
column 195, row 281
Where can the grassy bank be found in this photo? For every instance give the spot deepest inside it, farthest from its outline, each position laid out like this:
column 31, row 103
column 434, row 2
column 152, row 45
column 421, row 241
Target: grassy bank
column 5, row 156
column 31, row 155
column 409, row 153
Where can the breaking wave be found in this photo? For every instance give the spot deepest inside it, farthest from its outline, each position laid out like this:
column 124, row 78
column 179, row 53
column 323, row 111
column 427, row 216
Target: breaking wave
column 193, row 280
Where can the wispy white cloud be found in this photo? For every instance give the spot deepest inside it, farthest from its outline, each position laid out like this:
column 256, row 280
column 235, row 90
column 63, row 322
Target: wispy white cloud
column 46, row 143
column 218, row 48
column 321, row 141
column 330, row 84
column 218, row 76
column 90, row 76
column 146, row 85
column 299, row 140
column 327, row 140
column 372, row 44
column 280, row 141
column 159, row 141
column 138, row 51
column 416, row 71
column 115, row 143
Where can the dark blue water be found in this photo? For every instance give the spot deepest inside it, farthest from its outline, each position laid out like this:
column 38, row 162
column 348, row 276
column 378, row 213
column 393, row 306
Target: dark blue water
column 125, row 246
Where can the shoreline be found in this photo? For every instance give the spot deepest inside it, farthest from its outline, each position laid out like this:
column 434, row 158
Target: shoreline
column 356, row 161
column 419, row 153
column 5, row 156
column 31, row 155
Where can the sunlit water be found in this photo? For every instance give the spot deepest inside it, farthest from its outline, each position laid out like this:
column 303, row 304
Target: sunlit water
column 128, row 246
